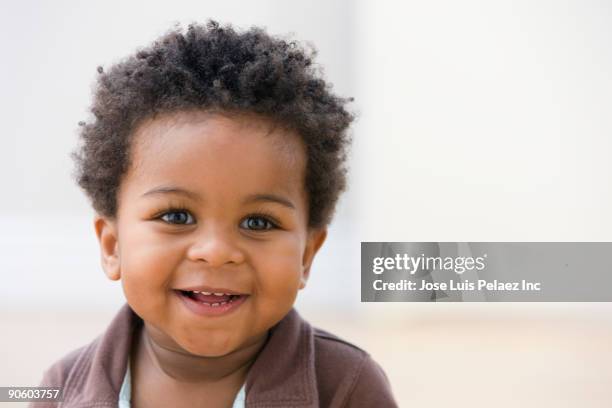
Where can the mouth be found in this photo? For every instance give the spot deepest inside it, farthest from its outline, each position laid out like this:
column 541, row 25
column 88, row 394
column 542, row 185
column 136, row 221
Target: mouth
column 212, row 299
column 211, row 303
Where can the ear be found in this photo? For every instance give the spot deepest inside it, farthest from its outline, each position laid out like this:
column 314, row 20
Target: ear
column 106, row 231
column 316, row 238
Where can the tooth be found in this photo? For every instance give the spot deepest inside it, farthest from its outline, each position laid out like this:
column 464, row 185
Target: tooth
column 215, row 304
column 222, row 303
column 206, row 293
column 219, row 294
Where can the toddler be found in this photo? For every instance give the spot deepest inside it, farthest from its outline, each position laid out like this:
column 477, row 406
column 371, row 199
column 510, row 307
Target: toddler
column 213, row 160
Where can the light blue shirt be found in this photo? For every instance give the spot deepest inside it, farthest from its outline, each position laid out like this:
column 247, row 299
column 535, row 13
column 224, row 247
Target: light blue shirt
column 126, row 392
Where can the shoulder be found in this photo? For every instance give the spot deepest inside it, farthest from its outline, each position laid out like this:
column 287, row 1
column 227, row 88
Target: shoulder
column 347, row 375
column 63, row 372
column 60, row 372
column 331, row 350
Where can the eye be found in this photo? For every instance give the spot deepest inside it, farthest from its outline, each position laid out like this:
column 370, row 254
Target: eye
column 257, row 223
column 180, row 217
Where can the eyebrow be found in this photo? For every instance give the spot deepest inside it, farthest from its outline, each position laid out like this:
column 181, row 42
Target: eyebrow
column 269, row 198
column 172, row 190
column 253, row 198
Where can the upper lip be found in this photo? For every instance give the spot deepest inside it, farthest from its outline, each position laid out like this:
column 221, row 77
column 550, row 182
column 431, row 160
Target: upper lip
column 210, row 289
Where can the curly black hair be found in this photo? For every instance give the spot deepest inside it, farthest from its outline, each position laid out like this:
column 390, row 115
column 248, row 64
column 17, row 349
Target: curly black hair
column 213, row 67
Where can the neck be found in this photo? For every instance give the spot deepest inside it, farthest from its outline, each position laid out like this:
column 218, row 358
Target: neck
column 183, row 367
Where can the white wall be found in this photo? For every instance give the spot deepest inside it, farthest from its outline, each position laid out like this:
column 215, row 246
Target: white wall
column 484, row 120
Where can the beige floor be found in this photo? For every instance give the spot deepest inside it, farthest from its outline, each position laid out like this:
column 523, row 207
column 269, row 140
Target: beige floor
column 442, row 356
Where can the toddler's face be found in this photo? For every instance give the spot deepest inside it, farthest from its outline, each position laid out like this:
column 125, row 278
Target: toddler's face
column 211, row 203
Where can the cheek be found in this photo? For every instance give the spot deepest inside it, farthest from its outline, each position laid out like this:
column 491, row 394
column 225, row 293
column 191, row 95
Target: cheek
column 147, row 265
column 279, row 269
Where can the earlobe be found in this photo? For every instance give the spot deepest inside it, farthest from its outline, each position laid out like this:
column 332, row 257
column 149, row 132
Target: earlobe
column 316, row 238
column 106, row 231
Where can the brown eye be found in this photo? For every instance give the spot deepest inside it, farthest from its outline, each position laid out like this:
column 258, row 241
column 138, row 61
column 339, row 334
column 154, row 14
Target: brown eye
column 257, row 223
column 177, row 217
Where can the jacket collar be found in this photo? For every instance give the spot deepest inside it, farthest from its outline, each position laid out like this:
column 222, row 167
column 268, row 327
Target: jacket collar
column 284, row 372
column 282, row 375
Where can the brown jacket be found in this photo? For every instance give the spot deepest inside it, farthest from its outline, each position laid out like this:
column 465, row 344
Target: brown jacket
column 300, row 366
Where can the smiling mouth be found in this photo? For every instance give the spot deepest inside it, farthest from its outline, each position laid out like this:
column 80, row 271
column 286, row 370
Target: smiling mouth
column 211, row 304
column 212, row 299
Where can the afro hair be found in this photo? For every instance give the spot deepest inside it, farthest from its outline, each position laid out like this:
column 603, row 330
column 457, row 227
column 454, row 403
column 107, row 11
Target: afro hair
column 214, row 67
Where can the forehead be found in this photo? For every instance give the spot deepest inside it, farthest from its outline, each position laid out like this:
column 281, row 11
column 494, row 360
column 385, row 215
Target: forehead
column 226, row 152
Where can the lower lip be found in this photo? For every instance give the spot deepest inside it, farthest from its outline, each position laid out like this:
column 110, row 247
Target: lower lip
column 205, row 309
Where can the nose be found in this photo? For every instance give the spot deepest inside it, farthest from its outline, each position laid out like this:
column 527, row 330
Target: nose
column 216, row 247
